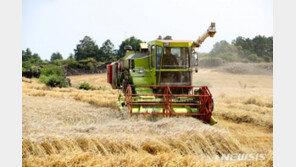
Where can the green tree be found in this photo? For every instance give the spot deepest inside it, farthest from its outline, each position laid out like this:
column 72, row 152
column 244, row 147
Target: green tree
column 159, row 37
column 87, row 48
column 253, row 58
column 35, row 56
column 269, row 50
column 56, row 56
column 71, row 56
column 245, row 43
column 107, row 51
column 220, row 47
column 261, row 46
column 168, row 37
column 225, row 51
column 132, row 41
column 27, row 55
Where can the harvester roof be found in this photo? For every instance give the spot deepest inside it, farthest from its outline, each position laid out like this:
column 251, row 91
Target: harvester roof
column 182, row 41
column 172, row 43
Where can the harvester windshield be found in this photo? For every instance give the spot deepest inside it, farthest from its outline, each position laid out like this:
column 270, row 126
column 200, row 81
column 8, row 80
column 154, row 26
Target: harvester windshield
column 175, row 58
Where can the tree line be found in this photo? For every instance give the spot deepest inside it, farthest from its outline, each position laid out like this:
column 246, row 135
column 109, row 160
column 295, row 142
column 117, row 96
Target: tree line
column 258, row 49
column 89, row 56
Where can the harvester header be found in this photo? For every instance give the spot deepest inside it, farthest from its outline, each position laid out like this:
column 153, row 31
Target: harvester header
column 157, row 79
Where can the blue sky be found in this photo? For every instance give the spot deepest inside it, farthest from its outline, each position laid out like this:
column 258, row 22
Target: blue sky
column 58, row 25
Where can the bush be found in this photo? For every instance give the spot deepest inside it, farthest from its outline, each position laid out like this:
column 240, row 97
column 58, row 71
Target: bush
column 210, row 62
column 52, row 70
column 102, row 88
column 26, row 66
column 59, row 62
column 86, row 86
column 267, row 59
column 53, row 76
column 254, row 58
column 30, row 69
column 88, row 60
column 90, row 65
column 54, row 81
column 228, row 56
column 74, row 64
column 100, row 63
column 35, row 68
column 36, row 61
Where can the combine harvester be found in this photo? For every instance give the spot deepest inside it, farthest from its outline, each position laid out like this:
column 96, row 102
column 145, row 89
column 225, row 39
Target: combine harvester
column 157, row 79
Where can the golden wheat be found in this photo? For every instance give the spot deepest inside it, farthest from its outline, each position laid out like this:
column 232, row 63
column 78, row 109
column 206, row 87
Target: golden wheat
column 105, row 97
column 60, row 129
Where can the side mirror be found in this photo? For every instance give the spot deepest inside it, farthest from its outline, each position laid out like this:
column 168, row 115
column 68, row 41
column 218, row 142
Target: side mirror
column 195, row 60
column 196, row 70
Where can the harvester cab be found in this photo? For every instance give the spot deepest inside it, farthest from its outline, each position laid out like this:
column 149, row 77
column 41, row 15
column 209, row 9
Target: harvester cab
column 157, row 79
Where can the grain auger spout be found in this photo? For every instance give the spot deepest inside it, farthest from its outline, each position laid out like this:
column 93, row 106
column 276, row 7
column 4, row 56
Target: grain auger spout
column 157, row 80
column 211, row 31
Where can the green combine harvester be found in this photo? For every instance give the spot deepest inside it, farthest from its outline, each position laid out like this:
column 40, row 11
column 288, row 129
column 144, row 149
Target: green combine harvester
column 157, row 79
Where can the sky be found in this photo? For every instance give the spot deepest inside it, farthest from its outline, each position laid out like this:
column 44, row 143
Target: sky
column 50, row 26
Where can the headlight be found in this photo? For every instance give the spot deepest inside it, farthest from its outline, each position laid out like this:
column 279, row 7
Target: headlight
column 141, row 71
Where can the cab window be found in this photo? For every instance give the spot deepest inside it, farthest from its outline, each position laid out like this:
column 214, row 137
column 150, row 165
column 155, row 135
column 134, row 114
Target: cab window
column 175, row 57
column 158, row 56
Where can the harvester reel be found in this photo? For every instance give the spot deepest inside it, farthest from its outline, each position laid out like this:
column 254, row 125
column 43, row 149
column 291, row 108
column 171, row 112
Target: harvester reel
column 207, row 112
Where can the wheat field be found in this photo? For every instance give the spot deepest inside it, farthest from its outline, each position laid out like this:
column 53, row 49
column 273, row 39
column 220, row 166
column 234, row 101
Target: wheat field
column 73, row 127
